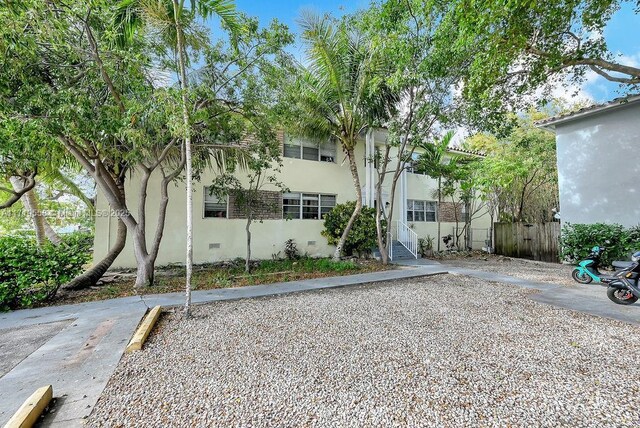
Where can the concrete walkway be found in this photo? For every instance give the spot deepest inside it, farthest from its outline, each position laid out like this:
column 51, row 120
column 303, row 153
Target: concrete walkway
column 79, row 360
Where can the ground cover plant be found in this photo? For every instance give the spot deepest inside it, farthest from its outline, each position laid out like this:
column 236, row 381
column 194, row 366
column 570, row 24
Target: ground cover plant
column 226, row 275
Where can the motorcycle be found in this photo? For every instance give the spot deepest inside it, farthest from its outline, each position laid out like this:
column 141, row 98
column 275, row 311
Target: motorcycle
column 587, row 270
column 623, row 287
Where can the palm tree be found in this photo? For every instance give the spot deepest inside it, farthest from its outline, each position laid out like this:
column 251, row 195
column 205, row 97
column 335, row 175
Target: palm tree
column 171, row 17
column 335, row 95
column 431, row 162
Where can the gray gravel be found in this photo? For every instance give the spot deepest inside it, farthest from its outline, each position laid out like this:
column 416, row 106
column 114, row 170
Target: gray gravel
column 446, row 351
column 553, row 273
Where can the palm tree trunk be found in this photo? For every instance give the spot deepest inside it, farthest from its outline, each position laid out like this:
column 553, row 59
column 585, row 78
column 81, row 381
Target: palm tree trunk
column 187, row 140
column 30, row 203
column 93, row 275
column 439, row 206
column 353, row 166
column 51, row 234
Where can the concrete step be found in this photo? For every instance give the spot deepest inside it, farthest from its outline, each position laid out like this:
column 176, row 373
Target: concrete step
column 400, row 252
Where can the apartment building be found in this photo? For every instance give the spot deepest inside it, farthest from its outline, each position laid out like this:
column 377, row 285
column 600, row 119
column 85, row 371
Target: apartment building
column 317, row 176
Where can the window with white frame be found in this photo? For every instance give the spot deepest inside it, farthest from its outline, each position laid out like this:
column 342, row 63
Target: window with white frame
column 310, row 150
column 214, row 207
column 421, row 210
column 309, row 206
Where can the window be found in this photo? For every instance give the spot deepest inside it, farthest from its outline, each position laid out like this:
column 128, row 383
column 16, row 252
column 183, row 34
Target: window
column 421, row 210
column 311, row 206
column 214, row 207
column 309, row 150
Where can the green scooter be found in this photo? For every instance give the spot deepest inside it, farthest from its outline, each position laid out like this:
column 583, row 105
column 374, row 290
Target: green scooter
column 587, row 270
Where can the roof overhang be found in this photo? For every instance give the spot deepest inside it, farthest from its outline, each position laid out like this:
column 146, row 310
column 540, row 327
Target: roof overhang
column 596, row 109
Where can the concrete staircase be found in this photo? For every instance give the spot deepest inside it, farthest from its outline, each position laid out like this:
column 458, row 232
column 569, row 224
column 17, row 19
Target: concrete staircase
column 399, row 252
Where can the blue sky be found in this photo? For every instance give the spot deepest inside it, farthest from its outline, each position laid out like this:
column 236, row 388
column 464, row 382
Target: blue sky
column 622, row 33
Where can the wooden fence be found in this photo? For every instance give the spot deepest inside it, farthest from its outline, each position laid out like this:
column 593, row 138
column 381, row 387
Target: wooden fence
column 537, row 241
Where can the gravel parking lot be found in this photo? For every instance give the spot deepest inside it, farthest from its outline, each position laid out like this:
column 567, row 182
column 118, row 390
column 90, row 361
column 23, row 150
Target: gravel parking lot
column 553, row 273
column 446, row 351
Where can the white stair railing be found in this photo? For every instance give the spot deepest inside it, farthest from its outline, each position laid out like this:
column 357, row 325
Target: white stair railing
column 408, row 238
column 390, row 245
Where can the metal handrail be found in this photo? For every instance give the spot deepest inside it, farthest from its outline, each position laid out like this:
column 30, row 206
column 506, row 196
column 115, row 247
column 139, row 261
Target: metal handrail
column 390, row 245
column 408, row 238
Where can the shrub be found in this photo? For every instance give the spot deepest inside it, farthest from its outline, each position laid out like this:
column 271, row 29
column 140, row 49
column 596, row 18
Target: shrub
column 29, row 274
column 578, row 239
column 291, row 250
column 362, row 237
column 425, row 245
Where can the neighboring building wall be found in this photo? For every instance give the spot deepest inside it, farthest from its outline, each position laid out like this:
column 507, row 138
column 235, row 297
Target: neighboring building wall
column 218, row 239
column 598, row 167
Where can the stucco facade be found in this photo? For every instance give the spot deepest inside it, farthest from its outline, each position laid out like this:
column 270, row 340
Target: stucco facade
column 223, row 238
column 598, row 169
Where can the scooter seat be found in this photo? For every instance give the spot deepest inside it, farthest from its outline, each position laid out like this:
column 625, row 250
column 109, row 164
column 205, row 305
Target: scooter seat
column 621, row 264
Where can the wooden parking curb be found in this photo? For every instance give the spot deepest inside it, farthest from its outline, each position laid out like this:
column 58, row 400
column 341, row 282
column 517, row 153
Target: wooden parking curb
column 28, row 414
column 143, row 331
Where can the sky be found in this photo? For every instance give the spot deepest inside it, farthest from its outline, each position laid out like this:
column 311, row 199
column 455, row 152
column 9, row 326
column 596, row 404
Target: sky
column 622, row 35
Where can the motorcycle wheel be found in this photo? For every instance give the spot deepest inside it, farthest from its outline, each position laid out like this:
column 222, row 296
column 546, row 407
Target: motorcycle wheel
column 621, row 297
column 581, row 277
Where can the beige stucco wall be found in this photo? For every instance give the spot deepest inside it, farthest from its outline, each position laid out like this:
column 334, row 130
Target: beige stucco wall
column 268, row 237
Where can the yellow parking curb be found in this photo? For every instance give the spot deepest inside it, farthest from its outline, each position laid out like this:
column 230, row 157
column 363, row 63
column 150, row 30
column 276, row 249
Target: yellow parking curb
column 143, row 331
column 30, row 411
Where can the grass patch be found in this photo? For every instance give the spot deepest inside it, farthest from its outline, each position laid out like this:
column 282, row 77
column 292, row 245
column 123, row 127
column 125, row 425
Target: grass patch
column 230, row 274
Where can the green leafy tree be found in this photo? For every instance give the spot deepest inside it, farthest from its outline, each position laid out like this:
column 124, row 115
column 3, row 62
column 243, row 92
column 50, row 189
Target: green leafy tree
column 21, row 150
column 262, row 166
column 173, row 19
column 517, row 47
column 519, row 177
column 418, row 74
column 432, row 161
column 177, row 22
column 51, row 87
column 96, row 96
column 460, row 186
column 337, row 94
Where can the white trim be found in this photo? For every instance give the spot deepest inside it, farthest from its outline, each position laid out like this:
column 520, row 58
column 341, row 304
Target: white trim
column 372, row 179
column 368, row 184
column 403, row 193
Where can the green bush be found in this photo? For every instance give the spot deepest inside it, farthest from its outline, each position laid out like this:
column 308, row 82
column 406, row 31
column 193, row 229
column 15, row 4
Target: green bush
column 29, row 274
column 362, row 237
column 578, row 239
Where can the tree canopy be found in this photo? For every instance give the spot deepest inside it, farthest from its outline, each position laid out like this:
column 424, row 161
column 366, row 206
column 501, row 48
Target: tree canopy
column 511, row 49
